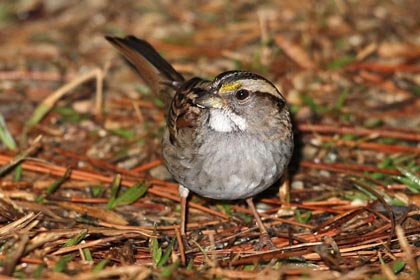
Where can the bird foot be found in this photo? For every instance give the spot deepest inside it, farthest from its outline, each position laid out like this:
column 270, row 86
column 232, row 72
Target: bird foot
column 265, row 241
column 185, row 243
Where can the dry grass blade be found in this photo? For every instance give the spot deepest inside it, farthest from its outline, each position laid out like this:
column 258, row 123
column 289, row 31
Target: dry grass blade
column 387, row 271
column 17, row 250
column 410, row 259
column 295, row 52
column 132, row 272
column 48, row 103
column 98, row 242
column 18, row 224
column 21, row 156
column 95, row 212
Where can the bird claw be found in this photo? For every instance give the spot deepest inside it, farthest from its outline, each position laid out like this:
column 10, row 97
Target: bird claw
column 265, row 241
column 185, row 243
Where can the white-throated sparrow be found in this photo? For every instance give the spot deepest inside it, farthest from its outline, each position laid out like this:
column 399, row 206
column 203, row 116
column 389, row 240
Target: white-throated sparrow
column 229, row 138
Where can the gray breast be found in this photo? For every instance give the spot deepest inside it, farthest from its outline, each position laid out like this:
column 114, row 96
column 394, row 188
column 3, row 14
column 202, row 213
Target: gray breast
column 230, row 165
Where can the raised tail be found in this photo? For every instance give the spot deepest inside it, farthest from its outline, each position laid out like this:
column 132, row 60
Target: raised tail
column 150, row 65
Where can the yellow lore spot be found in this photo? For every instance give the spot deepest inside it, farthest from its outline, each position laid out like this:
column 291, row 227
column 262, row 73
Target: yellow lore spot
column 230, row 86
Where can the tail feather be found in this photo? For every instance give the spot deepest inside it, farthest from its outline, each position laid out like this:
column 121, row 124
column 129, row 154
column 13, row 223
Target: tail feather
column 150, row 65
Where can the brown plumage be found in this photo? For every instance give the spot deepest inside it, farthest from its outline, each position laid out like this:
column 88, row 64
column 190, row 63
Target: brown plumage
column 229, row 138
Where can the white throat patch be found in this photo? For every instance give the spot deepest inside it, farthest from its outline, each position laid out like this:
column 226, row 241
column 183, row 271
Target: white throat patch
column 226, row 121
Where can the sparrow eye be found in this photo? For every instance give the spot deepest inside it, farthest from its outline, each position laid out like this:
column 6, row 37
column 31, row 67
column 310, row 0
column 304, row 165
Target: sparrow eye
column 242, row 94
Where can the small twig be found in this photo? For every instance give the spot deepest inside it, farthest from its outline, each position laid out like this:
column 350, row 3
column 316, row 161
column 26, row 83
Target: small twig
column 411, row 135
column 35, row 75
column 100, row 75
column 384, row 148
column 349, row 169
column 146, row 166
column 180, row 244
column 384, row 68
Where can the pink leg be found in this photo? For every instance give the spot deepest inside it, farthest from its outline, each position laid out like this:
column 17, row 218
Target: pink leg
column 183, row 193
column 265, row 239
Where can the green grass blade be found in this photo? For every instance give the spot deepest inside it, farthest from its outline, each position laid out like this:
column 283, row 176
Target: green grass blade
column 155, row 250
column 54, row 186
column 38, row 115
column 38, row 270
column 100, row 265
column 5, row 135
column 131, row 195
column 88, row 254
column 167, row 254
column 62, row 263
column 412, row 180
column 115, row 187
column 341, row 62
column 18, row 173
column 75, row 240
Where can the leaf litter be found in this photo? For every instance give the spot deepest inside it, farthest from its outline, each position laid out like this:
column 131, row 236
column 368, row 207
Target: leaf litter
column 90, row 198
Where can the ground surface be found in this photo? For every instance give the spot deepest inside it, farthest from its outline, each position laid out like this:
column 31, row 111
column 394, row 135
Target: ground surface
column 350, row 71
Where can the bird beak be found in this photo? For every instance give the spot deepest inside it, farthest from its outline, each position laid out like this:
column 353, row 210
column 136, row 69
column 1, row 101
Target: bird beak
column 210, row 100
